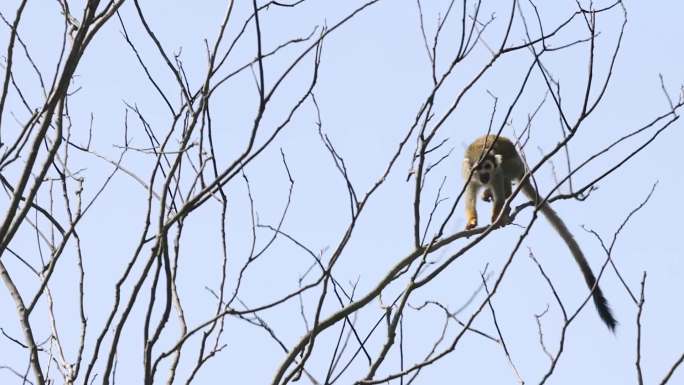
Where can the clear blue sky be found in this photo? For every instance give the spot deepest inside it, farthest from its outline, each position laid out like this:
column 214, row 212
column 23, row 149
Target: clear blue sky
column 374, row 75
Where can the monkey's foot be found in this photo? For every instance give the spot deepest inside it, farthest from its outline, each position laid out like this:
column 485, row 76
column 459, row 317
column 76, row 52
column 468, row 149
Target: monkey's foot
column 505, row 220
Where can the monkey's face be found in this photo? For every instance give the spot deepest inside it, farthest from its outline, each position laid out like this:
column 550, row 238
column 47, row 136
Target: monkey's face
column 487, row 167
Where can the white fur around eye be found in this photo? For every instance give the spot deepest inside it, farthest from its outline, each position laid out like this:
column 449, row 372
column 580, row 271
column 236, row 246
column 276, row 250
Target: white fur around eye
column 498, row 158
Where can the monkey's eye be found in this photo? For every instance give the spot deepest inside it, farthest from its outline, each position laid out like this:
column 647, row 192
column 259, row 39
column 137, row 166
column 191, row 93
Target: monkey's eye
column 487, row 166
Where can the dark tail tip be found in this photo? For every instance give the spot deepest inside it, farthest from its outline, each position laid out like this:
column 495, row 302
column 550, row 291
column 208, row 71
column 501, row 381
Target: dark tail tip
column 604, row 310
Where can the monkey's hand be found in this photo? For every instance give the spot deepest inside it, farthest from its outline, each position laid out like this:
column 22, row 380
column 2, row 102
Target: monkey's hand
column 471, row 223
column 487, row 195
column 505, row 217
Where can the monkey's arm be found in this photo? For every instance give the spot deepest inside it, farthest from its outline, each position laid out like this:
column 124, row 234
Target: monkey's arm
column 471, row 205
column 470, row 194
column 500, row 188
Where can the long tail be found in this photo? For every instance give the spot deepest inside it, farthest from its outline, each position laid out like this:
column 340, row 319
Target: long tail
column 599, row 300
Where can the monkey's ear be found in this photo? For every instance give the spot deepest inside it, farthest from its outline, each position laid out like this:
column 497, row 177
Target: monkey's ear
column 498, row 159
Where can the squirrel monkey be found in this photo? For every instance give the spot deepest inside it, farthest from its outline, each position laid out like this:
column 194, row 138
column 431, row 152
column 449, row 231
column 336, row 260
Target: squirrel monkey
column 495, row 164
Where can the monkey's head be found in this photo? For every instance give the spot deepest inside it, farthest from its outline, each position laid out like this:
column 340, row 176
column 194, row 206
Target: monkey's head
column 487, row 167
